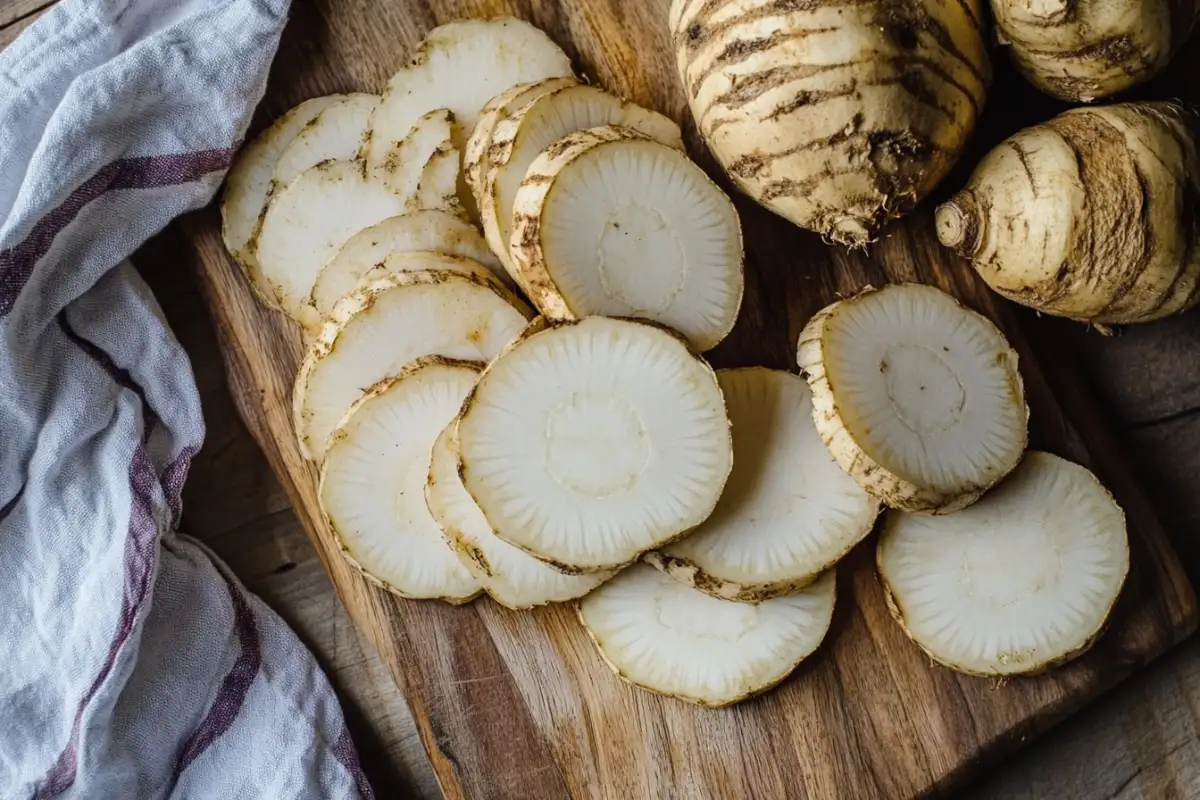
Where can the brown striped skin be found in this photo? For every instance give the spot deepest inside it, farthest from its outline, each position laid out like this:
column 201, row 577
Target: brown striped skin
column 1092, row 215
column 1084, row 50
column 838, row 115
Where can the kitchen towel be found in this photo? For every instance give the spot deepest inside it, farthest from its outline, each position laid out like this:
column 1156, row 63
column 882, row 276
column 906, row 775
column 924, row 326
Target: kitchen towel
column 132, row 663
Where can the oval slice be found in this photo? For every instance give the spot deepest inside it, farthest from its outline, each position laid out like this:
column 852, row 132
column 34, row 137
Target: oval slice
column 917, row 397
column 388, row 323
column 248, row 186
column 1022, row 580
column 586, row 444
column 500, row 107
column 511, row 576
column 334, row 134
column 660, row 635
column 460, row 66
column 788, row 512
column 307, row 222
column 518, row 140
column 427, row 229
column 372, row 480
column 610, row 223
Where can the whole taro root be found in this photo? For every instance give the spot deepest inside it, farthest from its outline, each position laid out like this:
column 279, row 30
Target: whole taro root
column 1093, row 215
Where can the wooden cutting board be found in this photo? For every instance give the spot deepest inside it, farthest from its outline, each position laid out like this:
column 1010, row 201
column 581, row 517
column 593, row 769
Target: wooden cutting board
column 517, row 705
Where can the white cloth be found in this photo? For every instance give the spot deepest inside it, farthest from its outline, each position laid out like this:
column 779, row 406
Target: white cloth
column 132, row 664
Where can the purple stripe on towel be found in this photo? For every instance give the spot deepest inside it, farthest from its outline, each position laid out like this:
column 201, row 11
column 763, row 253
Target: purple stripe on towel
column 231, row 696
column 140, row 556
column 146, row 172
column 347, row 756
column 120, row 376
column 173, row 477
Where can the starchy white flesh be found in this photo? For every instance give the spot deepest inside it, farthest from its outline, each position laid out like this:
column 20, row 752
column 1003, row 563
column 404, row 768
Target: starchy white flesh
column 460, row 66
column 307, row 223
column 500, row 107
column 373, row 478
column 788, row 512
column 518, row 140
column 336, row 133
column 437, row 186
column 613, row 224
column 917, row 397
column 586, row 444
column 375, row 331
column 660, row 635
column 511, row 576
column 406, row 161
column 1022, row 580
column 248, row 186
column 428, row 229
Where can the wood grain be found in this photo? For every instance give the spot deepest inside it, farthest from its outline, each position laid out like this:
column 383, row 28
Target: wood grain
column 517, row 705
column 19, row 17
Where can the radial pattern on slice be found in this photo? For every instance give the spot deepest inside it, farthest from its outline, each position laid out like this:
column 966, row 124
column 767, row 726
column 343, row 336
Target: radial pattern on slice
column 589, row 443
column 668, row 638
column 375, row 331
column 307, row 223
column 460, row 66
column 518, row 140
column 917, row 397
column 248, row 186
column 500, row 107
column 788, row 512
column 429, row 229
column 510, row 575
column 1021, row 580
column 610, row 223
column 373, row 478
column 405, row 162
column 334, row 134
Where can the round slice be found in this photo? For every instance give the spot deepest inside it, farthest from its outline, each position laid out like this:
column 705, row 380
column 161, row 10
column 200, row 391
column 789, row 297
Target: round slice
column 610, row 223
column 307, row 223
column 518, row 140
column 419, row 230
column 511, row 576
column 387, row 323
column 460, row 66
column 1020, row 581
column 917, row 397
column 788, row 512
column 500, row 107
column 372, row 481
column 660, row 635
column 336, row 133
column 248, row 185
column 586, row 444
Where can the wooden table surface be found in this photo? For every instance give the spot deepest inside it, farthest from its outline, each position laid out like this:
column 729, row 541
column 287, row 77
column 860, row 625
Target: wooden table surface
column 1140, row 741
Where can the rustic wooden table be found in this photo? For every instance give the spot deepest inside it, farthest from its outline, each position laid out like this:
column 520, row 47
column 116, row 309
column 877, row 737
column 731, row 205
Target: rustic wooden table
column 1141, row 741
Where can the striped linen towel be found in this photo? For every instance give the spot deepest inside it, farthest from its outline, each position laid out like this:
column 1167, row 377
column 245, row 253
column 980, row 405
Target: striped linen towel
column 132, row 663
